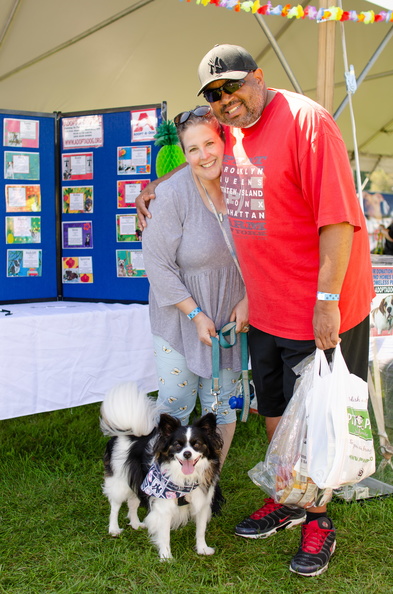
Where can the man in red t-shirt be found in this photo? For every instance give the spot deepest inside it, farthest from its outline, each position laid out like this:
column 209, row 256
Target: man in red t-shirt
column 303, row 248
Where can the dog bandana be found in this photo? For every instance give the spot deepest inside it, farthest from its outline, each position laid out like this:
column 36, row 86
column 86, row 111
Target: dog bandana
column 156, row 484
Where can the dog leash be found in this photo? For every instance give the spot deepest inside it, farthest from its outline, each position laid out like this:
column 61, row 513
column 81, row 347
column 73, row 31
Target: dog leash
column 226, row 339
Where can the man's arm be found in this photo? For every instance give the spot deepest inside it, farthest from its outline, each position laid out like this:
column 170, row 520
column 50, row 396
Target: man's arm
column 142, row 201
column 335, row 244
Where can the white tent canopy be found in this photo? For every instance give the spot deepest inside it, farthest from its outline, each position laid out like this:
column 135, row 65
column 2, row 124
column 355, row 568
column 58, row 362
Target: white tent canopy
column 92, row 54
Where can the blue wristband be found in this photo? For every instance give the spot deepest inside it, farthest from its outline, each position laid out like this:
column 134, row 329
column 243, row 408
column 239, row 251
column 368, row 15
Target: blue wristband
column 328, row 296
column 194, row 312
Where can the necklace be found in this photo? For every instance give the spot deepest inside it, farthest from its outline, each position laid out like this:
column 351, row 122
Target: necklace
column 220, row 219
column 219, row 215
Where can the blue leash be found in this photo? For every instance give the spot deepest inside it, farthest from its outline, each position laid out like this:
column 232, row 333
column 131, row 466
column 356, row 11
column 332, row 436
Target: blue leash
column 226, row 339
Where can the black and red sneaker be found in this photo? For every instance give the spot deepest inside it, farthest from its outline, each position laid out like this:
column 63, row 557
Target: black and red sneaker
column 269, row 519
column 317, row 545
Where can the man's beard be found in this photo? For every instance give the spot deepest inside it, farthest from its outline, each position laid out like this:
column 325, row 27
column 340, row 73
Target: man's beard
column 253, row 113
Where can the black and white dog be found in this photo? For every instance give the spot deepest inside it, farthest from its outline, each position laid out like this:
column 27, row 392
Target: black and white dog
column 153, row 460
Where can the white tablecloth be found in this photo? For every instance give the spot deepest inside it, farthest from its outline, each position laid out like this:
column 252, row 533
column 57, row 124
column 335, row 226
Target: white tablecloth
column 62, row 354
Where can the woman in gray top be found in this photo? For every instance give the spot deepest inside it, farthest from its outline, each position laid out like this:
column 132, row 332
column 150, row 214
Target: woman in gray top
column 195, row 286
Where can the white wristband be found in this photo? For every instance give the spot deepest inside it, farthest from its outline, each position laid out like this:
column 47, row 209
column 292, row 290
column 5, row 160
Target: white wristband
column 328, row 296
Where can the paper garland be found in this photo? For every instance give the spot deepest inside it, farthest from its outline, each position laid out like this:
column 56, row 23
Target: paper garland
column 333, row 13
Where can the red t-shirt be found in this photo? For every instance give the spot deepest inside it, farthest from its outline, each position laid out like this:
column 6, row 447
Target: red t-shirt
column 284, row 178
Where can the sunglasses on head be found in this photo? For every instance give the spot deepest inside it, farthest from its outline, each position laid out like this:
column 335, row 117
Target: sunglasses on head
column 229, row 87
column 201, row 112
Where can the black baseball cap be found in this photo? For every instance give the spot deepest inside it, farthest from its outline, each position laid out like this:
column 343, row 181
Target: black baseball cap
column 225, row 61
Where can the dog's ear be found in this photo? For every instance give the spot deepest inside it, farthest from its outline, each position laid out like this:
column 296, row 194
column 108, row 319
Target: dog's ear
column 208, row 423
column 167, row 424
column 382, row 305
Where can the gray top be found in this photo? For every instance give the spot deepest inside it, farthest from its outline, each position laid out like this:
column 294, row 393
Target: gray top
column 185, row 255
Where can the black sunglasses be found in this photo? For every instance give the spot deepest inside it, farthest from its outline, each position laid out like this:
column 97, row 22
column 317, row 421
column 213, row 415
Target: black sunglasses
column 229, row 87
column 200, row 111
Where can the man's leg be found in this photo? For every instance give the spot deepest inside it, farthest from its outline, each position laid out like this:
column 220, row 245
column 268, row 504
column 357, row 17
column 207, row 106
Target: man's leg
column 270, row 384
column 318, row 539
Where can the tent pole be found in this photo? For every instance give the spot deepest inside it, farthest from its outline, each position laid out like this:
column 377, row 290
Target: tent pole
column 9, row 21
column 366, row 69
column 279, row 54
column 66, row 44
column 325, row 71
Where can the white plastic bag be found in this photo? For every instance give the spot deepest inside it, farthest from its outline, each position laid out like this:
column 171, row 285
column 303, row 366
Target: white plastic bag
column 340, row 446
column 283, row 474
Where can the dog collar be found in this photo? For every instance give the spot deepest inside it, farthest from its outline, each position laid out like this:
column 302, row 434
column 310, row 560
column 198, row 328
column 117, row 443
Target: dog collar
column 156, row 484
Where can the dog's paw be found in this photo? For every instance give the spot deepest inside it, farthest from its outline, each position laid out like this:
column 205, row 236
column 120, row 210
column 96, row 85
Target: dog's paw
column 115, row 531
column 165, row 556
column 205, row 550
column 137, row 525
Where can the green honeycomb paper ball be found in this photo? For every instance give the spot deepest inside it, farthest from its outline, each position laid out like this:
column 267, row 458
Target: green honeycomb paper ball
column 170, row 154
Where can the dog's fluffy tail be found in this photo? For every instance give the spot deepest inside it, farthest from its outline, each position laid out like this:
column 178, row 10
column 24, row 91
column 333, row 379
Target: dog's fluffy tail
column 128, row 411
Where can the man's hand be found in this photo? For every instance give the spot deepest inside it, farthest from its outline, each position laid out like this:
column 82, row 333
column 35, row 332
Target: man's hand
column 240, row 315
column 326, row 324
column 149, row 193
column 142, row 202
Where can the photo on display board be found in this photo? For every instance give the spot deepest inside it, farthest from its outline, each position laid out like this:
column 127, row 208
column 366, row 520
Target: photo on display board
column 133, row 160
column 77, row 199
column 19, row 165
column 21, row 133
column 128, row 190
column 23, row 229
column 24, row 263
column 129, row 264
column 78, row 234
column 143, row 125
column 128, row 228
column 77, row 166
column 77, row 269
column 22, row 198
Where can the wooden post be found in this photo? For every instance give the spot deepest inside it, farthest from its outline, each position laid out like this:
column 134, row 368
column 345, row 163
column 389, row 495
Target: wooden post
column 325, row 68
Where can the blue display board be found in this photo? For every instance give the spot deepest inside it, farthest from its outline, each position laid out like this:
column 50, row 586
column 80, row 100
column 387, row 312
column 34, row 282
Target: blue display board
column 69, row 185
column 28, row 253
column 101, row 240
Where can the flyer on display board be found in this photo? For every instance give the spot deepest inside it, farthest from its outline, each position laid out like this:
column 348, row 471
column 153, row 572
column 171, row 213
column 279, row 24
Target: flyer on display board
column 128, row 228
column 21, row 133
column 130, row 264
column 77, row 269
column 77, row 234
column 133, row 160
column 23, row 229
column 77, row 199
column 143, row 125
column 22, row 198
column 128, row 190
column 19, row 165
column 381, row 317
column 77, row 166
column 82, row 132
column 23, row 263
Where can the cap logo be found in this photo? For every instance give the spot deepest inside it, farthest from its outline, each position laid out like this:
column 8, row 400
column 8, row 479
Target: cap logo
column 215, row 65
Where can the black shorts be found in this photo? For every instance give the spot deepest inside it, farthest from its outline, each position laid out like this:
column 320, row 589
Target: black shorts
column 273, row 359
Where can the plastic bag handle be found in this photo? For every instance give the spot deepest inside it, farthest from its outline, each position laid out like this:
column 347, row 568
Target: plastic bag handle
column 321, row 366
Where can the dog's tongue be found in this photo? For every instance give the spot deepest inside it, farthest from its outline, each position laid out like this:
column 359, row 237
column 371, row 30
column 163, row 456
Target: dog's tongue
column 187, row 467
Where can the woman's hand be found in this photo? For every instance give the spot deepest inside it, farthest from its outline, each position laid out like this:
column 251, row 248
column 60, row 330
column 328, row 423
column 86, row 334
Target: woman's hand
column 240, row 315
column 205, row 328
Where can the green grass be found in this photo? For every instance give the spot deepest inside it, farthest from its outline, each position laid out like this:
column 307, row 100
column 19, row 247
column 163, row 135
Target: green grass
column 53, row 525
